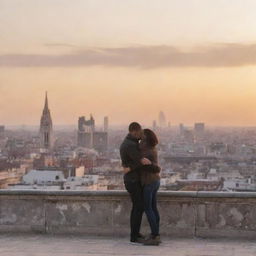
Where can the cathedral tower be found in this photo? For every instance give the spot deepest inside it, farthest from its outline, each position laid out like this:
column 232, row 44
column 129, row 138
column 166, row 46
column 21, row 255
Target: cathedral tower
column 46, row 131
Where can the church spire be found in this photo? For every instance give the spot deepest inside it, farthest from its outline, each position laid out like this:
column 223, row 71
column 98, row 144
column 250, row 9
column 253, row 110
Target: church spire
column 46, row 101
column 46, row 131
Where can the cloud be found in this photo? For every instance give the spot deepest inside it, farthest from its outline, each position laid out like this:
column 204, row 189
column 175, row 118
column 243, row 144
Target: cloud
column 147, row 57
column 59, row 45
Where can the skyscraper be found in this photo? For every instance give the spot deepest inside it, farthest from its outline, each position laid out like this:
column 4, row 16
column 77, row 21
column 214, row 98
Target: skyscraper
column 154, row 125
column 162, row 119
column 88, row 137
column 182, row 129
column 86, row 129
column 105, row 124
column 2, row 128
column 46, row 129
column 199, row 129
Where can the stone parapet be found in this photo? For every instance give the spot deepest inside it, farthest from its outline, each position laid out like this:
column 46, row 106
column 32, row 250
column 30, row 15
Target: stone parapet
column 183, row 213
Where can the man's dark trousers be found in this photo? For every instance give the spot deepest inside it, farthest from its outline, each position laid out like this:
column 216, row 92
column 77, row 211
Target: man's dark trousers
column 136, row 194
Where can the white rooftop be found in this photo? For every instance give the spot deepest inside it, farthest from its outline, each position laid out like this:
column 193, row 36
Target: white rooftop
column 42, row 176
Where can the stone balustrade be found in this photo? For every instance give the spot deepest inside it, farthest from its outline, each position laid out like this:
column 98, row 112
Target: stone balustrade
column 183, row 214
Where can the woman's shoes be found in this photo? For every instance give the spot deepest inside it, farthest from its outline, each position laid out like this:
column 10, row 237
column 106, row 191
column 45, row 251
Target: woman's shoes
column 153, row 240
column 158, row 239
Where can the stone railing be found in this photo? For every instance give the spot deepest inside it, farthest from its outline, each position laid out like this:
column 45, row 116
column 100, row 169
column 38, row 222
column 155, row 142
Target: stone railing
column 183, row 214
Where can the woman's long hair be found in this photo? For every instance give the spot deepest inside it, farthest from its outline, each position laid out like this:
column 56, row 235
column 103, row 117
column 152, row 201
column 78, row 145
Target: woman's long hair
column 150, row 138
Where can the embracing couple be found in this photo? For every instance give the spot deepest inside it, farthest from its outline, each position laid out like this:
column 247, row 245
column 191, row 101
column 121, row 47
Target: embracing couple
column 142, row 180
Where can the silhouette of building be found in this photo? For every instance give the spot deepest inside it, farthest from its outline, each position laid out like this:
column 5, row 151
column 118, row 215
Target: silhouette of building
column 2, row 129
column 154, row 125
column 182, row 129
column 46, row 128
column 86, row 125
column 106, row 124
column 199, row 129
column 89, row 138
column 162, row 119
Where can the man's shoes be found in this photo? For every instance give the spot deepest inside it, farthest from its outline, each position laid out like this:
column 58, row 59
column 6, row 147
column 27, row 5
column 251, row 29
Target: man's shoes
column 140, row 239
column 153, row 240
column 141, row 236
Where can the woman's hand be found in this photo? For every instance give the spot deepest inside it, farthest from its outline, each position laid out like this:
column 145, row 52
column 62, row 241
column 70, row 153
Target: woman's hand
column 145, row 161
column 126, row 169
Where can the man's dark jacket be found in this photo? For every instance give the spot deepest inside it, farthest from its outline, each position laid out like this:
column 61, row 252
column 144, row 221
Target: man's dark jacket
column 131, row 157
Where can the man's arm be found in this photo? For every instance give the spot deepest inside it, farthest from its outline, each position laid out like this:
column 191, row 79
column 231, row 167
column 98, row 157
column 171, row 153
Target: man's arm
column 136, row 157
column 126, row 170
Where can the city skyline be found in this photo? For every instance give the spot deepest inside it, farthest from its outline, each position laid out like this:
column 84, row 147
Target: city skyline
column 182, row 57
column 158, row 123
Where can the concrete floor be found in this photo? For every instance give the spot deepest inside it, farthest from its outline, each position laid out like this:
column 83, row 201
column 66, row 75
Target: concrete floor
column 42, row 245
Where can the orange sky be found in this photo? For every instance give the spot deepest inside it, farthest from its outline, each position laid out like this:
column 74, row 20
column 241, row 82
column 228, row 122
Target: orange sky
column 195, row 60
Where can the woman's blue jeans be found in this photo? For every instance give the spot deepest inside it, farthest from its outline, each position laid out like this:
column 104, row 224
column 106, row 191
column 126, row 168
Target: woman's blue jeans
column 150, row 206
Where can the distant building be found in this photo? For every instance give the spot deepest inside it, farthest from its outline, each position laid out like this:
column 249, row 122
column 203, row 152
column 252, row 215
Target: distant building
column 199, row 129
column 106, row 124
column 199, row 185
column 86, row 125
column 188, row 136
column 86, row 182
column 182, row 128
column 11, row 176
column 2, row 129
column 236, row 184
column 154, row 125
column 46, row 129
column 162, row 119
column 44, row 160
column 85, row 130
column 100, row 141
column 89, row 138
column 44, row 176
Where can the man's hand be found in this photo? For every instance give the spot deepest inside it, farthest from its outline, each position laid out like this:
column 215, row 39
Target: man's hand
column 126, row 169
column 145, row 161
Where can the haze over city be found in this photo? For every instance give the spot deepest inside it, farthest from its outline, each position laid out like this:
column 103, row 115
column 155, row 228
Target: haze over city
column 127, row 123
column 129, row 61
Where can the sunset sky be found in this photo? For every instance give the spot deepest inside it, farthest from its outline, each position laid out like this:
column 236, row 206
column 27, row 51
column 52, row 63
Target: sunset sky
column 193, row 59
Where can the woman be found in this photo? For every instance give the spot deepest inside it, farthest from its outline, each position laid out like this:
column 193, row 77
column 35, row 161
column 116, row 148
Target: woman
column 150, row 180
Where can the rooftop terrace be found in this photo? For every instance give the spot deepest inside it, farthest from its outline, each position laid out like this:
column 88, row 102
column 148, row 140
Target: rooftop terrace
column 49, row 245
column 97, row 223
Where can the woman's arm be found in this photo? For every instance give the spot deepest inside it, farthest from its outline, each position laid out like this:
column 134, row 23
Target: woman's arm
column 155, row 156
column 151, row 168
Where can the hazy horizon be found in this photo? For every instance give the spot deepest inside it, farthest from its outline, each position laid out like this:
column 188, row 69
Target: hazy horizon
column 193, row 59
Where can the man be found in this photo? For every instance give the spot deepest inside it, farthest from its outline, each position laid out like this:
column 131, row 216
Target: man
column 131, row 157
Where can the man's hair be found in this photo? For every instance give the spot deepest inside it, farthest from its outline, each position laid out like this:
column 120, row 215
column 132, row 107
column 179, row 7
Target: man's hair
column 134, row 126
